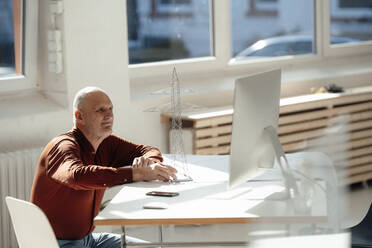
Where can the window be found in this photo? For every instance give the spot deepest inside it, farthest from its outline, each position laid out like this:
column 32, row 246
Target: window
column 18, row 46
column 235, row 37
column 153, row 39
column 10, row 37
column 289, row 32
column 351, row 20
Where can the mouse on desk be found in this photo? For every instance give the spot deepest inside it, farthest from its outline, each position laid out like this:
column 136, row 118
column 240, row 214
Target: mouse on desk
column 155, row 205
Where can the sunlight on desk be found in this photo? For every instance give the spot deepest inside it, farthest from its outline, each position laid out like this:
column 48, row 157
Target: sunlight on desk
column 207, row 202
column 203, row 201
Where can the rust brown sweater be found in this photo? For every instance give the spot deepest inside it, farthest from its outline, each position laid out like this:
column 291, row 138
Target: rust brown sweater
column 71, row 179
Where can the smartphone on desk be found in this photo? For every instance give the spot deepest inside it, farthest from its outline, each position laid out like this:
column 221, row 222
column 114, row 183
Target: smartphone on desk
column 162, row 193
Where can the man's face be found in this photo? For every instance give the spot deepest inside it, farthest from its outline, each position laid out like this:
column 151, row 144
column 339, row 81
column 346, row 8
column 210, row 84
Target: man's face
column 97, row 115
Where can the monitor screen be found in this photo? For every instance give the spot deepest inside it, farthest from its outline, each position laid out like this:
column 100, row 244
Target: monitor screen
column 256, row 106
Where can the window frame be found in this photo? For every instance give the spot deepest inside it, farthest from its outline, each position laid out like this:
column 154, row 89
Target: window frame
column 347, row 49
column 221, row 45
column 27, row 80
column 222, row 60
column 220, row 42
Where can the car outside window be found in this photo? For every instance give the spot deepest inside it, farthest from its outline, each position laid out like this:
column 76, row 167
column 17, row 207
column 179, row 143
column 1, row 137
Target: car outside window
column 272, row 50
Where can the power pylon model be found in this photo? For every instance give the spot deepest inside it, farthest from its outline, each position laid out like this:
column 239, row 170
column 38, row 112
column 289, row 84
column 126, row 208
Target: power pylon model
column 177, row 151
column 174, row 109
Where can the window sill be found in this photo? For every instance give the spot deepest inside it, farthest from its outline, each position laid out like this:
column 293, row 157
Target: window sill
column 27, row 102
column 213, row 89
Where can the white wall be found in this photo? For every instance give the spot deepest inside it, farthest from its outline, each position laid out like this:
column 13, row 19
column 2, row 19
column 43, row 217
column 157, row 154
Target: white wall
column 95, row 54
column 94, row 39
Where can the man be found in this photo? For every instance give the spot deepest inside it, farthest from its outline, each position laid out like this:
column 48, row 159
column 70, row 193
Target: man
column 75, row 168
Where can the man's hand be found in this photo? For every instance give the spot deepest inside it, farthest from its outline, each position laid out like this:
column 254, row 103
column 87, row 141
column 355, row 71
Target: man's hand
column 140, row 162
column 154, row 171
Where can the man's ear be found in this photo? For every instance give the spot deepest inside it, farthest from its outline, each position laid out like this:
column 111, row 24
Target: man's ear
column 79, row 115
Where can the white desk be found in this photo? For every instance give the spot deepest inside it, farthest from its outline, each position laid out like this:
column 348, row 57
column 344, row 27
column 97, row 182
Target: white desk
column 203, row 201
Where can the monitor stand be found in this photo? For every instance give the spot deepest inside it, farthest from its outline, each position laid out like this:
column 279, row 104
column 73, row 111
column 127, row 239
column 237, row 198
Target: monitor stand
column 291, row 188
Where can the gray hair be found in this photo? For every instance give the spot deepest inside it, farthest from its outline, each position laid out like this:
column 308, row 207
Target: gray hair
column 79, row 98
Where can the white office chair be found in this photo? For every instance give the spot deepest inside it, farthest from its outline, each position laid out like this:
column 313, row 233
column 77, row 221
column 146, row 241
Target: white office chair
column 31, row 226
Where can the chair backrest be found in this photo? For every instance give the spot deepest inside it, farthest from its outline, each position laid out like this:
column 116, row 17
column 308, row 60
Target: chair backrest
column 361, row 233
column 31, row 226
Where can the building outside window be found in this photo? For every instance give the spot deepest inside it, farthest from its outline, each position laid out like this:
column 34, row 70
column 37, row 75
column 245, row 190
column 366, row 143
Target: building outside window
column 262, row 8
column 161, row 30
column 183, row 29
column 278, row 28
column 351, row 19
column 171, row 8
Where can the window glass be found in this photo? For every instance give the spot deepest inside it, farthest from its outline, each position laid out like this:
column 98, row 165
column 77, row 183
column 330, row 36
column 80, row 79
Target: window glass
column 166, row 30
column 351, row 21
column 175, row 1
column 9, row 37
column 272, row 50
column 269, row 28
column 301, row 47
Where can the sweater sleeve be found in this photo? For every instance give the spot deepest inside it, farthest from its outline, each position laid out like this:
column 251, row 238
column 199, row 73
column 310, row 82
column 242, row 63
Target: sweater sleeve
column 126, row 151
column 66, row 166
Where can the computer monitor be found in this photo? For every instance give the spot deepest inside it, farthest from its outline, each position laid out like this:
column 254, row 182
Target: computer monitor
column 254, row 141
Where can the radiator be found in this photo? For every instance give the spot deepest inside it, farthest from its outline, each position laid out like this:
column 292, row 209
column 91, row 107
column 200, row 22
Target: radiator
column 17, row 171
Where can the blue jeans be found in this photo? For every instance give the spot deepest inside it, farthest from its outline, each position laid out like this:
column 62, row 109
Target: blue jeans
column 97, row 240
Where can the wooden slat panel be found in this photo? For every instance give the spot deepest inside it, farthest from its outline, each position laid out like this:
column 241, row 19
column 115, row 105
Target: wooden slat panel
column 305, row 103
column 317, row 114
column 351, row 154
column 302, row 126
column 300, row 117
column 211, row 122
column 295, row 147
column 213, row 150
column 354, row 117
column 343, row 146
column 213, row 131
column 328, row 140
column 319, row 105
column 354, row 144
column 319, row 132
column 355, row 161
column 323, row 101
column 358, row 178
column 352, row 108
column 213, row 141
column 347, row 99
column 359, row 125
column 343, row 119
column 323, row 140
column 360, row 134
column 358, row 169
column 300, row 136
column 338, row 124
